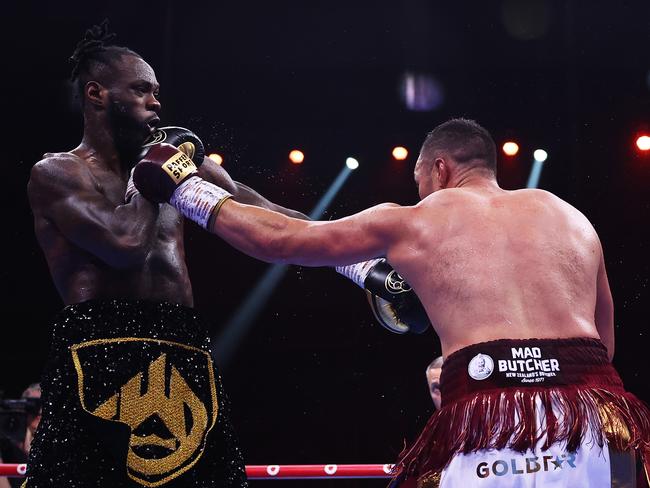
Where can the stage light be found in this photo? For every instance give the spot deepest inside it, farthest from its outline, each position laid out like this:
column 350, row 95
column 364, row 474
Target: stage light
column 296, row 156
column 510, row 148
column 540, row 155
column 400, row 153
column 643, row 143
column 352, row 163
column 216, row 158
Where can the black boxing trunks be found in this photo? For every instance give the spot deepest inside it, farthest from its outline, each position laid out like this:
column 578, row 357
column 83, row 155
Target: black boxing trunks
column 529, row 413
column 131, row 398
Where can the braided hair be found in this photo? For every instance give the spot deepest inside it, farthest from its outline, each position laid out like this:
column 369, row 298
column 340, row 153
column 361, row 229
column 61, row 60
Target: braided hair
column 94, row 55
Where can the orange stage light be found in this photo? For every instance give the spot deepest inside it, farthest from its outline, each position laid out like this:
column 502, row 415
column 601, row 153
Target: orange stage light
column 216, row 158
column 510, row 148
column 400, row 153
column 296, row 156
column 643, row 143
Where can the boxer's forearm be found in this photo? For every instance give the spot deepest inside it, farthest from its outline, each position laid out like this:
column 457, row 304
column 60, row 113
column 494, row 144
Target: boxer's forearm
column 256, row 231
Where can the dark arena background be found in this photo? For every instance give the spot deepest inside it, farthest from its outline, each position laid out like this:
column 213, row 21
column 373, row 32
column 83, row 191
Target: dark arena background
column 313, row 379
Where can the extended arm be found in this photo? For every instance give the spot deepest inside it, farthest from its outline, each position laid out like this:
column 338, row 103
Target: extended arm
column 166, row 175
column 63, row 192
column 273, row 237
column 604, row 316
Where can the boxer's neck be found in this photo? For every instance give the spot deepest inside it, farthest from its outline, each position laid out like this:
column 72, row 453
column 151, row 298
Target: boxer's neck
column 98, row 143
column 474, row 178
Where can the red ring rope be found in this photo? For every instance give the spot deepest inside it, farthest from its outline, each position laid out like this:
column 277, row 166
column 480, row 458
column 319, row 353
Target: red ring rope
column 273, row 471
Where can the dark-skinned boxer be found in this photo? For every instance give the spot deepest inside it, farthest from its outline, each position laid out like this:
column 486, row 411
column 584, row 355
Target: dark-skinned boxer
column 131, row 396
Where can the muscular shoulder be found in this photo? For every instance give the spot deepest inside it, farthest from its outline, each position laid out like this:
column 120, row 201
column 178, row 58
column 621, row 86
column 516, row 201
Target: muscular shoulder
column 56, row 171
column 53, row 164
column 558, row 208
column 549, row 199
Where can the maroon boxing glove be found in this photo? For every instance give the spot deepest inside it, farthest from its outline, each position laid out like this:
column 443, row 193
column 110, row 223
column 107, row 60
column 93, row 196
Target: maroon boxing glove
column 162, row 169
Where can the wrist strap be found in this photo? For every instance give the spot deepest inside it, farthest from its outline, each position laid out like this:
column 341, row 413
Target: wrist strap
column 196, row 198
column 358, row 272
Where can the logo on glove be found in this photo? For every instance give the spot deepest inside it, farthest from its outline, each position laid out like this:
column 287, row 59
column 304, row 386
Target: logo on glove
column 395, row 284
column 156, row 137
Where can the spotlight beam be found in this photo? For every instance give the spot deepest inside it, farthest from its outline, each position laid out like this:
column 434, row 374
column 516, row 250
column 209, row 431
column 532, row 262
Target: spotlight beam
column 535, row 173
column 241, row 321
column 539, row 156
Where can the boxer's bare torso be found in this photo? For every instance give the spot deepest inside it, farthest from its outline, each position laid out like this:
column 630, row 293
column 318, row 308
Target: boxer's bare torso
column 95, row 245
column 489, row 263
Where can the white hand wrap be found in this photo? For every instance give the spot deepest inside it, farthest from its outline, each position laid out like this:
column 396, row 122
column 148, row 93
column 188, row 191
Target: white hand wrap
column 196, row 199
column 358, row 272
column 131, row 190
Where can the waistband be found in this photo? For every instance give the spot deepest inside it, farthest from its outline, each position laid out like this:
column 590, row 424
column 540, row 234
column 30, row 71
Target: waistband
column 119, row 318
column 527, row 363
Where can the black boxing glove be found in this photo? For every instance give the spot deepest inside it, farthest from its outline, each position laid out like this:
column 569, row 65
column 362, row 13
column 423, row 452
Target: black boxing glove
column 392, row 301
column 166, row 174
column 183, row 139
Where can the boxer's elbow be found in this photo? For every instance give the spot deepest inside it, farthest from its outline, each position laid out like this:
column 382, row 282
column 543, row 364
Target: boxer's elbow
column 128, row 252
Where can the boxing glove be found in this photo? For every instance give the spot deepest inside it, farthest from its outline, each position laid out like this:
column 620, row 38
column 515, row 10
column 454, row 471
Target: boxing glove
column 162, row 169
column 392, row 301
column 183, row 139
column 166, row 174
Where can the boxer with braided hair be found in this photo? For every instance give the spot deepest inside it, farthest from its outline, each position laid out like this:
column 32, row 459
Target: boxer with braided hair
column 131, row 396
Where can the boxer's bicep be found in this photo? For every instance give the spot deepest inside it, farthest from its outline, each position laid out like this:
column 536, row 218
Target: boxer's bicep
column 359, row 237
column 66, row 196
column 604, row 314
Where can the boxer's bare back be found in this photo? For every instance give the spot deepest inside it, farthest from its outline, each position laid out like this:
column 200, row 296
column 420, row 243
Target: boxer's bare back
column 489, row 263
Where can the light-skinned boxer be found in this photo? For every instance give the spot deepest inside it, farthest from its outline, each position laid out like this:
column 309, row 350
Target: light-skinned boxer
column 514, row 283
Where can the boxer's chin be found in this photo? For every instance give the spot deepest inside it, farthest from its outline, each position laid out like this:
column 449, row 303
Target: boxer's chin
column 129, row 133
column 129, row 137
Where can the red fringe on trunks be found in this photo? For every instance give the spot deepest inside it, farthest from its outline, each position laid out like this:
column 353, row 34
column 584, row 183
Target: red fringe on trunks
column 579, row 392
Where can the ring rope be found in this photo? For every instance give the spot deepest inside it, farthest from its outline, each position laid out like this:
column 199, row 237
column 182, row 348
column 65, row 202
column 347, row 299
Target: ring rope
column 274, row 471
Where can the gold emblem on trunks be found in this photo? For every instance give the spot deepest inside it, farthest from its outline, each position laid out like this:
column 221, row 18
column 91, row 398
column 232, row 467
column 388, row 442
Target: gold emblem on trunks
column 168, row 407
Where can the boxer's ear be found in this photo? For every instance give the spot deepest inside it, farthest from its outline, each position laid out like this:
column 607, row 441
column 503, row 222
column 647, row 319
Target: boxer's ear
column 441, row 172
column 96, row 94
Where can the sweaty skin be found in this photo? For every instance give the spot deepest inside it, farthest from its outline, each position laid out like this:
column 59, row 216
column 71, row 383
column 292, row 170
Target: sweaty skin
column 96, row 245
column 486, row 263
